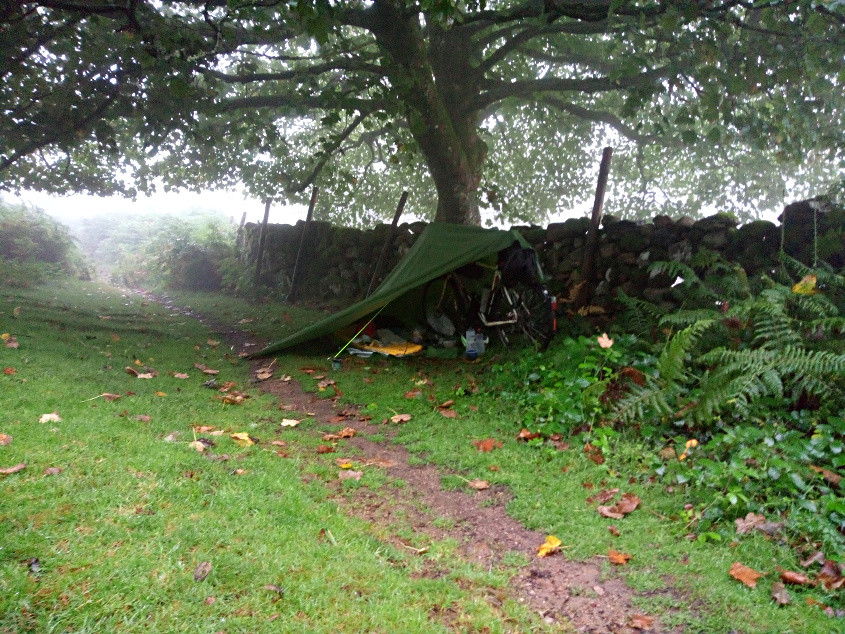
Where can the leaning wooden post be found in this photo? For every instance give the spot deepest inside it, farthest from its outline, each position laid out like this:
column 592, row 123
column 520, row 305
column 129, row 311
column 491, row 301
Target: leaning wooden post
column 294, row 278
column 262, row 239
column 387, row 242
column 588, row 270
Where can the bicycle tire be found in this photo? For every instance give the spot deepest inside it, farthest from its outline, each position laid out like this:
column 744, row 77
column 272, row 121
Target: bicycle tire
column 535, row 317
column 446, row 306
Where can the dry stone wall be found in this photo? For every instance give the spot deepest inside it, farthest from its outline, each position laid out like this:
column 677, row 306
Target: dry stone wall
column 338, row 262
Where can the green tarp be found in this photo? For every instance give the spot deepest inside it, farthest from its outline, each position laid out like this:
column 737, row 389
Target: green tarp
column 441, row 247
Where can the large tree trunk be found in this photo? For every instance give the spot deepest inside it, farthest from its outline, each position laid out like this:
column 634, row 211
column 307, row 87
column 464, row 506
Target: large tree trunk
column 435, row 84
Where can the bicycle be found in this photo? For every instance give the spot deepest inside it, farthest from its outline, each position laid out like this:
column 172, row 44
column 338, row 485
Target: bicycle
column 519, row 312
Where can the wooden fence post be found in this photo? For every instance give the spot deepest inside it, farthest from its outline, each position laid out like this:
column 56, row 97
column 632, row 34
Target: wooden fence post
column 262, row 239
column 588, row 269
column 387, row 242
column 294, row 278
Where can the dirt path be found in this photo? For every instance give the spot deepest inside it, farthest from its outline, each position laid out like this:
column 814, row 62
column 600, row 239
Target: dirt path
column 585, row 595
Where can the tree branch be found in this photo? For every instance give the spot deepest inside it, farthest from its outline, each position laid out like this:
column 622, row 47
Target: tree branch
column 503, row 90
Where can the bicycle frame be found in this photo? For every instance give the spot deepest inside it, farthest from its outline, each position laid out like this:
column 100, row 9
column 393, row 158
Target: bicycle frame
column 487, row 302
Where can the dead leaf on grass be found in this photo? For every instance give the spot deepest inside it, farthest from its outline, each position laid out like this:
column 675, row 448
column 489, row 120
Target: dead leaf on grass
column 5, row 440
column 197, row 446
column 488, row 444
column 9, row 371
column 549, row 547
column 205, row 369
column 181, row 375
column 478, row 485
column 11, row 341
column 641, row 622
column 49, row 471
column 202, row 571
column 526, row 435
column 832, row 478
column 594, row 453
column 235, row 398
column 816, row 558
column 830, row 576
column 13, row 469
column 325, row 449
column 415, row 393
column 400, row 418
column 793, row 578
column 610, row 512
column 749, row 523
column 744, row 574
column 780, row 594
column 243, row 439
column 448, row 413
column 290, row 422
column 613, row 530
column 349, row 474
column 50, row 418
column 279, row 443
column 617, row 558
column 605, row 495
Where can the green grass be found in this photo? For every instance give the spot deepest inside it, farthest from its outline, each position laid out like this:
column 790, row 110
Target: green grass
column 549, row 493
column 112, row 542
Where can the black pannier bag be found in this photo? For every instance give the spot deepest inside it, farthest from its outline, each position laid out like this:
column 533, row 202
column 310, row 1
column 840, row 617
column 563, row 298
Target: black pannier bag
column 518, row 264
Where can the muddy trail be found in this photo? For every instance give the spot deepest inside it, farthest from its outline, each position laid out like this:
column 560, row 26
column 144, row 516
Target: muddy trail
column 583, row 596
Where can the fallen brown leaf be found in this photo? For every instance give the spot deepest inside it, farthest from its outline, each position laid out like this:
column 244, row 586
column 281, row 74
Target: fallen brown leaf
column 13, row 469
column 793, row 578
column 832, row 478
column 746, row 575
column 610, row 512
column 325, row 449
column 400, row 418
column 816, row 558
column 205, row 369
column 5, row 440
column 415, row 393
column 448, row 413
column 617, row 558
column 349, row 474
column 641, row 622
column 779, row 594
column 279, row 443
column 594, row 453
column 525, row 435
column 202, row 571
column 478, row 485
column 830, row 576
column 50, row 418
column 181, row 375
column 605, row 495
column 52, row 471
column 628, row 503
column 613, row 530
column 749, row 523
column 488, row 444
column 9, row 371
column 144, row 418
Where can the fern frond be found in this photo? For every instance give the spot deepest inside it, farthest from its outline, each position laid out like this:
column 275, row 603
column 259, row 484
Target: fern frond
column 804, row 362
column 641, row 402
column 687, row 317
column 639, row 316
column 671, row 361
column 828, row 325
column 673, row 268
column 814, row 306
column 773, row 327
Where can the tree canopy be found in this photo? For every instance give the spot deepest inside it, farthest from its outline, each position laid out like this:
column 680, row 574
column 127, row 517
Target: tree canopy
column 500, row 105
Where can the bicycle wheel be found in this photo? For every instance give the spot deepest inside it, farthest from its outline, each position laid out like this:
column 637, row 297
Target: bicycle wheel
column 446, row 306
column 534, row 323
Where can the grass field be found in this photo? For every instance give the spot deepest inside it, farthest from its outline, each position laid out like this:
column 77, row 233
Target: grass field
column 117, row 523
